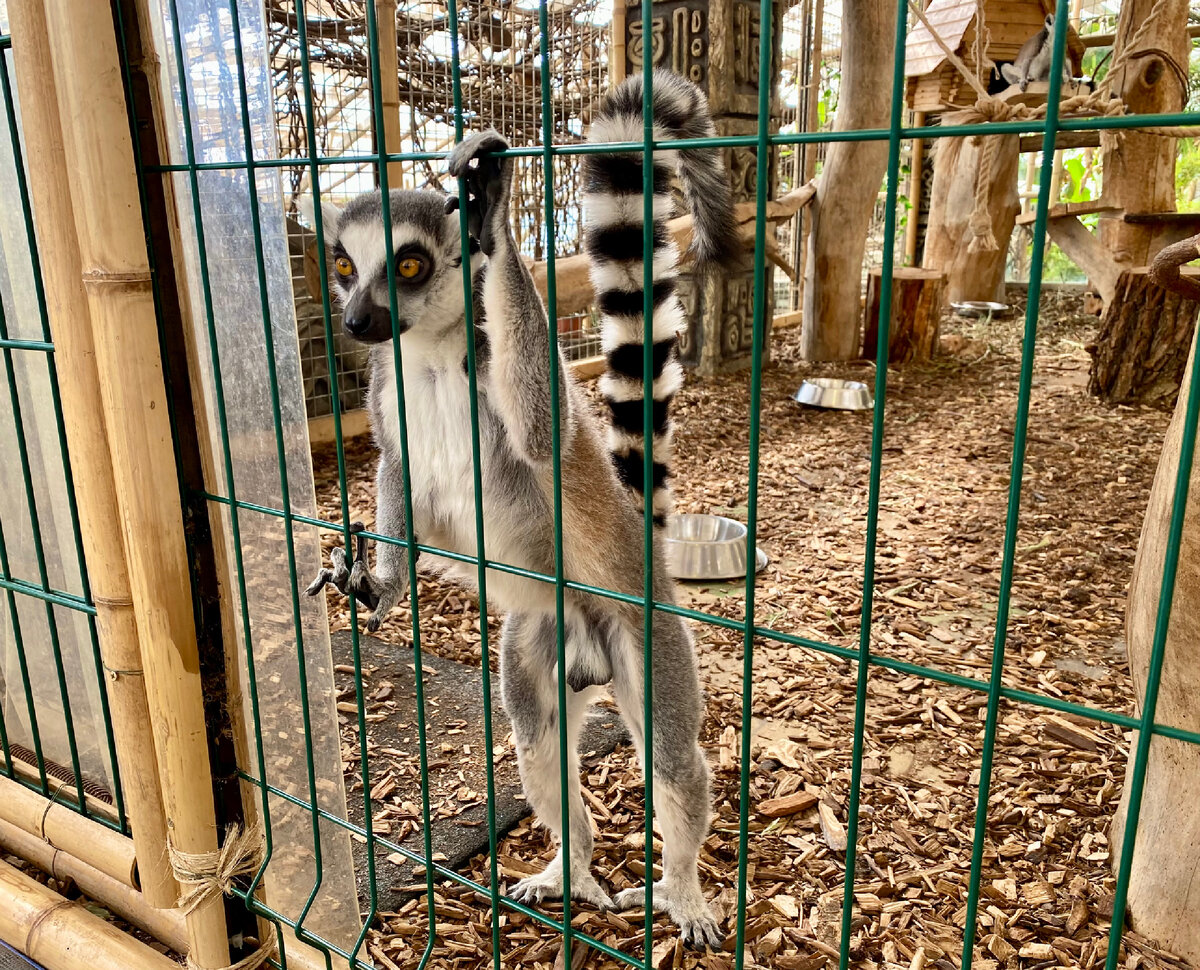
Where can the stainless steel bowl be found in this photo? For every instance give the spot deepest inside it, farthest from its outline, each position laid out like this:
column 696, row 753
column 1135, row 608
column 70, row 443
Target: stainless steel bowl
column 707, row 547
column 980, row 308
column 830, row 392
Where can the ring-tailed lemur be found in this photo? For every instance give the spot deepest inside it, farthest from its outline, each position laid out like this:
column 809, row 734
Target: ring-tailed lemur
column 1033, row 59
column 601, row 487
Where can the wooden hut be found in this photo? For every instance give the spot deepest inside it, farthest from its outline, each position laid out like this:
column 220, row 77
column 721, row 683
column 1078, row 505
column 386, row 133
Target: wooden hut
column 933, row 84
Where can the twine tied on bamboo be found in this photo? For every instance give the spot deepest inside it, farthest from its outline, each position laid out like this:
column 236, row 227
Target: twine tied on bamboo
column 252, row 962
column 209, row 875
column 1100, row 102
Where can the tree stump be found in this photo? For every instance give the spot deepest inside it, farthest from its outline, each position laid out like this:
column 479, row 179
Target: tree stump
column 917, row 299
column 1141, row 350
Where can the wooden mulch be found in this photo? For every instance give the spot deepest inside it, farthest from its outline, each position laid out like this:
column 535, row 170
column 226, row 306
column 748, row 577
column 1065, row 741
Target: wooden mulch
column 1046, row 883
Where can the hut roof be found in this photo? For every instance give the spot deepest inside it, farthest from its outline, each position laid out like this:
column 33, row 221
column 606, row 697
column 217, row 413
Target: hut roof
column 950, row 18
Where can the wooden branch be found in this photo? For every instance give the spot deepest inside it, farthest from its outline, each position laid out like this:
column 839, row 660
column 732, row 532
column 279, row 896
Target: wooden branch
column 1063, row 139
column 1164, row 268
column 1086, row 251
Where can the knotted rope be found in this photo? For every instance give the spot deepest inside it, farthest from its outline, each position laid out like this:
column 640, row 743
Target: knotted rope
column 987, row 107
column 210, row 875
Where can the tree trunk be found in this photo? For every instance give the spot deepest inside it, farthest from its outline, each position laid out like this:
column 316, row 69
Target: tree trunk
column 1141, row 349
column 956, row 164
column 848, row 187
column 918, row 296
column 1164, row 888
column 1139, row 167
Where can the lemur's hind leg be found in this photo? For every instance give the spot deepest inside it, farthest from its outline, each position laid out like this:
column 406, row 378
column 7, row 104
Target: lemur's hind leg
column 682, row 799
column 342, row 569
column 527, row 652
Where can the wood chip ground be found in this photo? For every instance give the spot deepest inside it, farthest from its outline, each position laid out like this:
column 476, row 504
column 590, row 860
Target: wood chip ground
column 1046, row 878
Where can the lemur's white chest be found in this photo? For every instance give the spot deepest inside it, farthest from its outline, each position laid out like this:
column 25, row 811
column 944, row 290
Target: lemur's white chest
column 438, row 416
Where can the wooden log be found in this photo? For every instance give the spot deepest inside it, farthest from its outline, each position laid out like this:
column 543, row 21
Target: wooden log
column 956, row 164
column 116, row 276
column 916, row 308
column 849, row 185
column 165, row 925
column 95, row 491
column 1164, row 860
column 1140, row 351
column 100, row 847
column 62, row 935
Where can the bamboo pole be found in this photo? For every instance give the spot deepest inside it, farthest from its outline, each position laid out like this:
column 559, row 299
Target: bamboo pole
column 100, row 847
column 912, row 232
column 62, row 935
column 117, row 280
column 389, row 77
column 29, row 771
column 165, row 925
column 79, row 385
column 616, row 44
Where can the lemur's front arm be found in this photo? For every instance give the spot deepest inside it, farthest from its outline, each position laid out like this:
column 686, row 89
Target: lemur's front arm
column 517, row 325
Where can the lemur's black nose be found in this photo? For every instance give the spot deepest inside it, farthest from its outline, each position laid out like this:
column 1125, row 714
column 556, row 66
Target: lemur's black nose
column 356, row 326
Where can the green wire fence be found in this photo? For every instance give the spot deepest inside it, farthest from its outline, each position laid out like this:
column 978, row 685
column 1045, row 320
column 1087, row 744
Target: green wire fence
column 224, row 498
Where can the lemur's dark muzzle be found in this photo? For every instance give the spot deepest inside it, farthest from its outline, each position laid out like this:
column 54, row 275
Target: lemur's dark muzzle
column 366, row 321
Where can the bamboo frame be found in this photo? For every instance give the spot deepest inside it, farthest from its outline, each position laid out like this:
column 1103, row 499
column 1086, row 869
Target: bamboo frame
column 79, row 385
column 117, row 281
column 165, row 925
column 62, row 828
column 94, row 805
column 63, row 935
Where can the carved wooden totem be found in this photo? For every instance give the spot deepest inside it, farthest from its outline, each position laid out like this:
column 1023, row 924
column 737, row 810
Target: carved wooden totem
column 715, row 43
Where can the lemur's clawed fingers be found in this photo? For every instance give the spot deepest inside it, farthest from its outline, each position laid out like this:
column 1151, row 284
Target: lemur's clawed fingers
column 489, row 179
column 338, row 574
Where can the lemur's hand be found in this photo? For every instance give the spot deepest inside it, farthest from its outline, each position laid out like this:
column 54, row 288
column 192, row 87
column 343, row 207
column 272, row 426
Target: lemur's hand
column 356, row 579
column 489, row 184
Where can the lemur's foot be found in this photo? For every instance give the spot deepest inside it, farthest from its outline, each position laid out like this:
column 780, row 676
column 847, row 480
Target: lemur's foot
column 489, row 182
column 686, row 908
column 548, row 884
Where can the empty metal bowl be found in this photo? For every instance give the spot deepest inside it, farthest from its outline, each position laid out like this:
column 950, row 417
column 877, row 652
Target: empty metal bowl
column 830, row 392
column 979, row 308
column 707, row 547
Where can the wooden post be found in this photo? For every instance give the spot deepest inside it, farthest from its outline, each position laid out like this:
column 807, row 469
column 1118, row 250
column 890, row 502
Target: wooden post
column 389, row 79
column 116, row 276
column 95, row 492
column 616, row 44
column 165, row 925
column 63, row 935
column 1139, row 167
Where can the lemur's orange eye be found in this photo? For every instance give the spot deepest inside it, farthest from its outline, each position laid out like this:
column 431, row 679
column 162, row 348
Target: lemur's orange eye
column 343, row 266
column 410, row 267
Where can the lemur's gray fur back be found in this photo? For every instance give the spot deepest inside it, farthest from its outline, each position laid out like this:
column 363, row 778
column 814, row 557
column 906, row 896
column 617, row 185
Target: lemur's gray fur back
column 614, row 213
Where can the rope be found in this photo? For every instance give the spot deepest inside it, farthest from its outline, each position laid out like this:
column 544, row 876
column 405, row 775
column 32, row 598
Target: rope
column 252, row 962
column 210, row 875
column 988, row 108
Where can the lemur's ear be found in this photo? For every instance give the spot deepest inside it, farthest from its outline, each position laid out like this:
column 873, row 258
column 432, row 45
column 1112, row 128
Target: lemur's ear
column 330, row 217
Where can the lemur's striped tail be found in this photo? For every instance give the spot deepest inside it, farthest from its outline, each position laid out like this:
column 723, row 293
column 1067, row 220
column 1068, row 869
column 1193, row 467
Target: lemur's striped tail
column 613, row 237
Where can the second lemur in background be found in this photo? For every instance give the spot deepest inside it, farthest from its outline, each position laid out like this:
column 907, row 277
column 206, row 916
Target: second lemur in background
column 1034, row 57
column 601, row 483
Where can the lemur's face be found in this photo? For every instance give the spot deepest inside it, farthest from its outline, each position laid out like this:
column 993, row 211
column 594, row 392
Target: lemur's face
column 424, row 250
